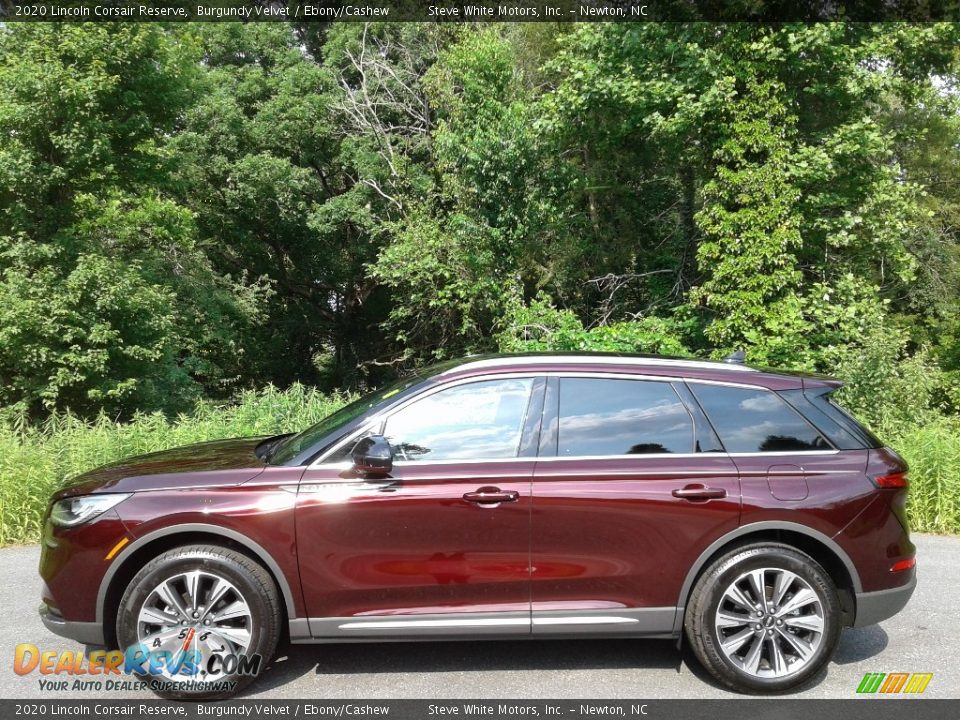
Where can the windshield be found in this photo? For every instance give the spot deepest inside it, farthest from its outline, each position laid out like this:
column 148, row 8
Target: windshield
column 296, row 444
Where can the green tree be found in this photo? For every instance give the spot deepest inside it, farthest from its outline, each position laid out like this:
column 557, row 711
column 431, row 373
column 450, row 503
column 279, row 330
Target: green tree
column 279, row 176
column 109, row 301
column 478, row 233
column 767, row 165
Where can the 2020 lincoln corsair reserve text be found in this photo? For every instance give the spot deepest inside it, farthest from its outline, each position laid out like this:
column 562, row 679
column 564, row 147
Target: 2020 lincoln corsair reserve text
column 535, row 496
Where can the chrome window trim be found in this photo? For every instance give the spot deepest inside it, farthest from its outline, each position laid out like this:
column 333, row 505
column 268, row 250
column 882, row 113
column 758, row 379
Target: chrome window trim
column 379, row 421
column 783, row 453
column 546, row 474
column 679, row 456
column 469, row 461
column 345, row 465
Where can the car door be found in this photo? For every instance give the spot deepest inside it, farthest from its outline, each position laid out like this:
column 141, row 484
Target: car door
column 630, row 487
column 440, row 545
column 786, row 464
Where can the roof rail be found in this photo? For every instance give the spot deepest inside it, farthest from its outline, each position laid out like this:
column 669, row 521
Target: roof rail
column 597, row 359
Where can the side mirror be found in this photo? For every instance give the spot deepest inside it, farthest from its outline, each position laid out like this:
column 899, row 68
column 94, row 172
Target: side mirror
column 373, row 456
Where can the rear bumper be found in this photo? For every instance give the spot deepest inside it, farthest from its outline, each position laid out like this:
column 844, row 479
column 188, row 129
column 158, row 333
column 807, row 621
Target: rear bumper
column 88, row 633
column 873, row 607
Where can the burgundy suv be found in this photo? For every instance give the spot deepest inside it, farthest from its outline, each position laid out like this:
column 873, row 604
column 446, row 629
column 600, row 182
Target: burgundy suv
column 535, row 496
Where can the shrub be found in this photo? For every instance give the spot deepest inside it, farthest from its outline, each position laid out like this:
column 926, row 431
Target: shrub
column 540, row 326
column 886, row 388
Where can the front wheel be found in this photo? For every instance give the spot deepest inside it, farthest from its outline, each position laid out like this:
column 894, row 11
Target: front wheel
column 204, row 620
column 763, row 618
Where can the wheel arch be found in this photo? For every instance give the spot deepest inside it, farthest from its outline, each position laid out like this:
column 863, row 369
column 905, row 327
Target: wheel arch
column 820, row 547
column 126, row 565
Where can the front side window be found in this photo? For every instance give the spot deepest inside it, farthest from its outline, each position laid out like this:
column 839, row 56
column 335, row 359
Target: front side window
column 600, row 416
column 302, row 441
column 756, row 420
column 474, row 421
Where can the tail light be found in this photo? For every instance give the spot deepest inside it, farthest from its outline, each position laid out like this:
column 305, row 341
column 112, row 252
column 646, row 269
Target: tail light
column 891, row 480
column 902, row 565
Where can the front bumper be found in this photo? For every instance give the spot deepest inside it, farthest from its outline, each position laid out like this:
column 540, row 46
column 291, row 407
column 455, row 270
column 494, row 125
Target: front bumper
column 873, row 607
column 73, row 563
column 88, row 633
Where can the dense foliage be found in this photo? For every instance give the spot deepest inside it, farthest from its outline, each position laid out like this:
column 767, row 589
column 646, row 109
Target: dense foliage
column 188, row 212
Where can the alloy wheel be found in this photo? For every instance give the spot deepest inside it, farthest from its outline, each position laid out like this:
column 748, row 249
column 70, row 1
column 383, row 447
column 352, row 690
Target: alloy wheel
column 195, row 611
column 769, row 623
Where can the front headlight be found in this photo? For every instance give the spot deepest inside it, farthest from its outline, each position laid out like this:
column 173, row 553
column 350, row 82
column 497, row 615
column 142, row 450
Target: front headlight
column 77, row 510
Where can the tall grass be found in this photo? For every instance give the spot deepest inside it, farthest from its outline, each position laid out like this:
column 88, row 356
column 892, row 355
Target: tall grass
column 933, row 452
column 34, row 461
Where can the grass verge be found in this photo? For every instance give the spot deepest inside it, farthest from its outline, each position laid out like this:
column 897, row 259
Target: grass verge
column 35, row 460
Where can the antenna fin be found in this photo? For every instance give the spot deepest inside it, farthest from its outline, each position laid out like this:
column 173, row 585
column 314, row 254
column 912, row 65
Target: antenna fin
column 737, row 357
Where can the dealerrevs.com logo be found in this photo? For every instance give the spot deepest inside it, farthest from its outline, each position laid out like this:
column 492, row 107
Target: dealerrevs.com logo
column 103, row 670
column 894, row 683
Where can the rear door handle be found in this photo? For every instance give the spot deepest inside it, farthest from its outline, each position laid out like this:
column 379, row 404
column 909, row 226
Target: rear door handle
column 491, row 496
column 699, row 492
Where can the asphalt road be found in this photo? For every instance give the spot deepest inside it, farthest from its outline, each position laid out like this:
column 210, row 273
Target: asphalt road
column 925, row 637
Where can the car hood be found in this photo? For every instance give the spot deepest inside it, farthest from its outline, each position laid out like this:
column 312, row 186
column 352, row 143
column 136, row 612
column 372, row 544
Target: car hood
column 209, row 464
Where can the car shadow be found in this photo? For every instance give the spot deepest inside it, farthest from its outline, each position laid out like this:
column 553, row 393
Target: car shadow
column 293, row 661
column 858, row 644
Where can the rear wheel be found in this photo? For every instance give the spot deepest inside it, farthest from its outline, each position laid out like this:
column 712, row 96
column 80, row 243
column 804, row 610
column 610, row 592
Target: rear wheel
column 201, row 616
column 763, row 618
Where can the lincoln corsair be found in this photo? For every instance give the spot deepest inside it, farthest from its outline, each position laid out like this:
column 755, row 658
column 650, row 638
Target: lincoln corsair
column 517, row 496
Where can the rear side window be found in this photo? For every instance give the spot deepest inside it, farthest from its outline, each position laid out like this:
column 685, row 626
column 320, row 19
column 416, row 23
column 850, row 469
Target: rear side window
column 621, row 417
column 835, row 423
column 756, row 420
column 825, row 402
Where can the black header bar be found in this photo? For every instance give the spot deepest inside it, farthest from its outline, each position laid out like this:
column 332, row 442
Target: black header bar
column 320, row 709
column 305, row 11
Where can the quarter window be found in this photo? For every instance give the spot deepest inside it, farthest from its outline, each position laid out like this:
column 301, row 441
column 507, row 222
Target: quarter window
column 756, row 420
column 621, row 417
column 474, row 421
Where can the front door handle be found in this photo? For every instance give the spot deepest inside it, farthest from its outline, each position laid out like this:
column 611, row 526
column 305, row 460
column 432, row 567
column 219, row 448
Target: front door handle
column 491, row 496
column 699, row 492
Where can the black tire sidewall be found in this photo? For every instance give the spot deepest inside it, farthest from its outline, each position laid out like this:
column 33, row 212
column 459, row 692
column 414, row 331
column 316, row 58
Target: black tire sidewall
column 719, row 578
column 235, row 568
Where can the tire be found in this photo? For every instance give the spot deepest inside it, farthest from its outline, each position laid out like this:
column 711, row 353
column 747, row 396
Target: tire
column 172, row 595
column 795, row 639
